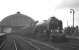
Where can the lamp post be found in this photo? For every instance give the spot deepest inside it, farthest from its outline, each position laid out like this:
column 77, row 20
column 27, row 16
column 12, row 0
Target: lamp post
column 73, row 12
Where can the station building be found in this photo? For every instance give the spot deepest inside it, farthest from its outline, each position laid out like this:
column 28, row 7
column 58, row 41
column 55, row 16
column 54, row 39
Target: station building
column 16, row 23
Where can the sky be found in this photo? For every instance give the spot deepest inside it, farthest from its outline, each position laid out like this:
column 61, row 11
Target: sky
column 40, row 9
column 65, row 7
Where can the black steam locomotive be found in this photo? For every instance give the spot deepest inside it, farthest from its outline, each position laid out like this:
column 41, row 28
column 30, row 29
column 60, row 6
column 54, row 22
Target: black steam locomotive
column 55, row 31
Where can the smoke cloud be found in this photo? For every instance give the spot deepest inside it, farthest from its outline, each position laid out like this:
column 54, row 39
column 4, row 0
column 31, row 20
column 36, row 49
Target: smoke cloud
column 69, row 4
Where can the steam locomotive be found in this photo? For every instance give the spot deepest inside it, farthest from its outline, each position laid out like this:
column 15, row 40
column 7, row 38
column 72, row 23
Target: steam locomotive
column 55, row 31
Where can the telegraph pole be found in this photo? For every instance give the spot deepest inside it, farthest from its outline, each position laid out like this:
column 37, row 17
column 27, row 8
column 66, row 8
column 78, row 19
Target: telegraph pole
column 73, row 12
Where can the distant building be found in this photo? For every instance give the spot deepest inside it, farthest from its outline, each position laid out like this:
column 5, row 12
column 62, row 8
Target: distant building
column 16, row 22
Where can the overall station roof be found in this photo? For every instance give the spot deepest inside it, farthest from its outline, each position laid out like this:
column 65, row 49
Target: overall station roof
column 16, row 20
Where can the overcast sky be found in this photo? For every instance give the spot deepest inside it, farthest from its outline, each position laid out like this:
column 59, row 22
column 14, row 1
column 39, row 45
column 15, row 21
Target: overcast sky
column 39, row 9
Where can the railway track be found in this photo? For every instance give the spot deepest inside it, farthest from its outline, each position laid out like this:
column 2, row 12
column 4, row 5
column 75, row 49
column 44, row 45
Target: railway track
column 14, row 42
